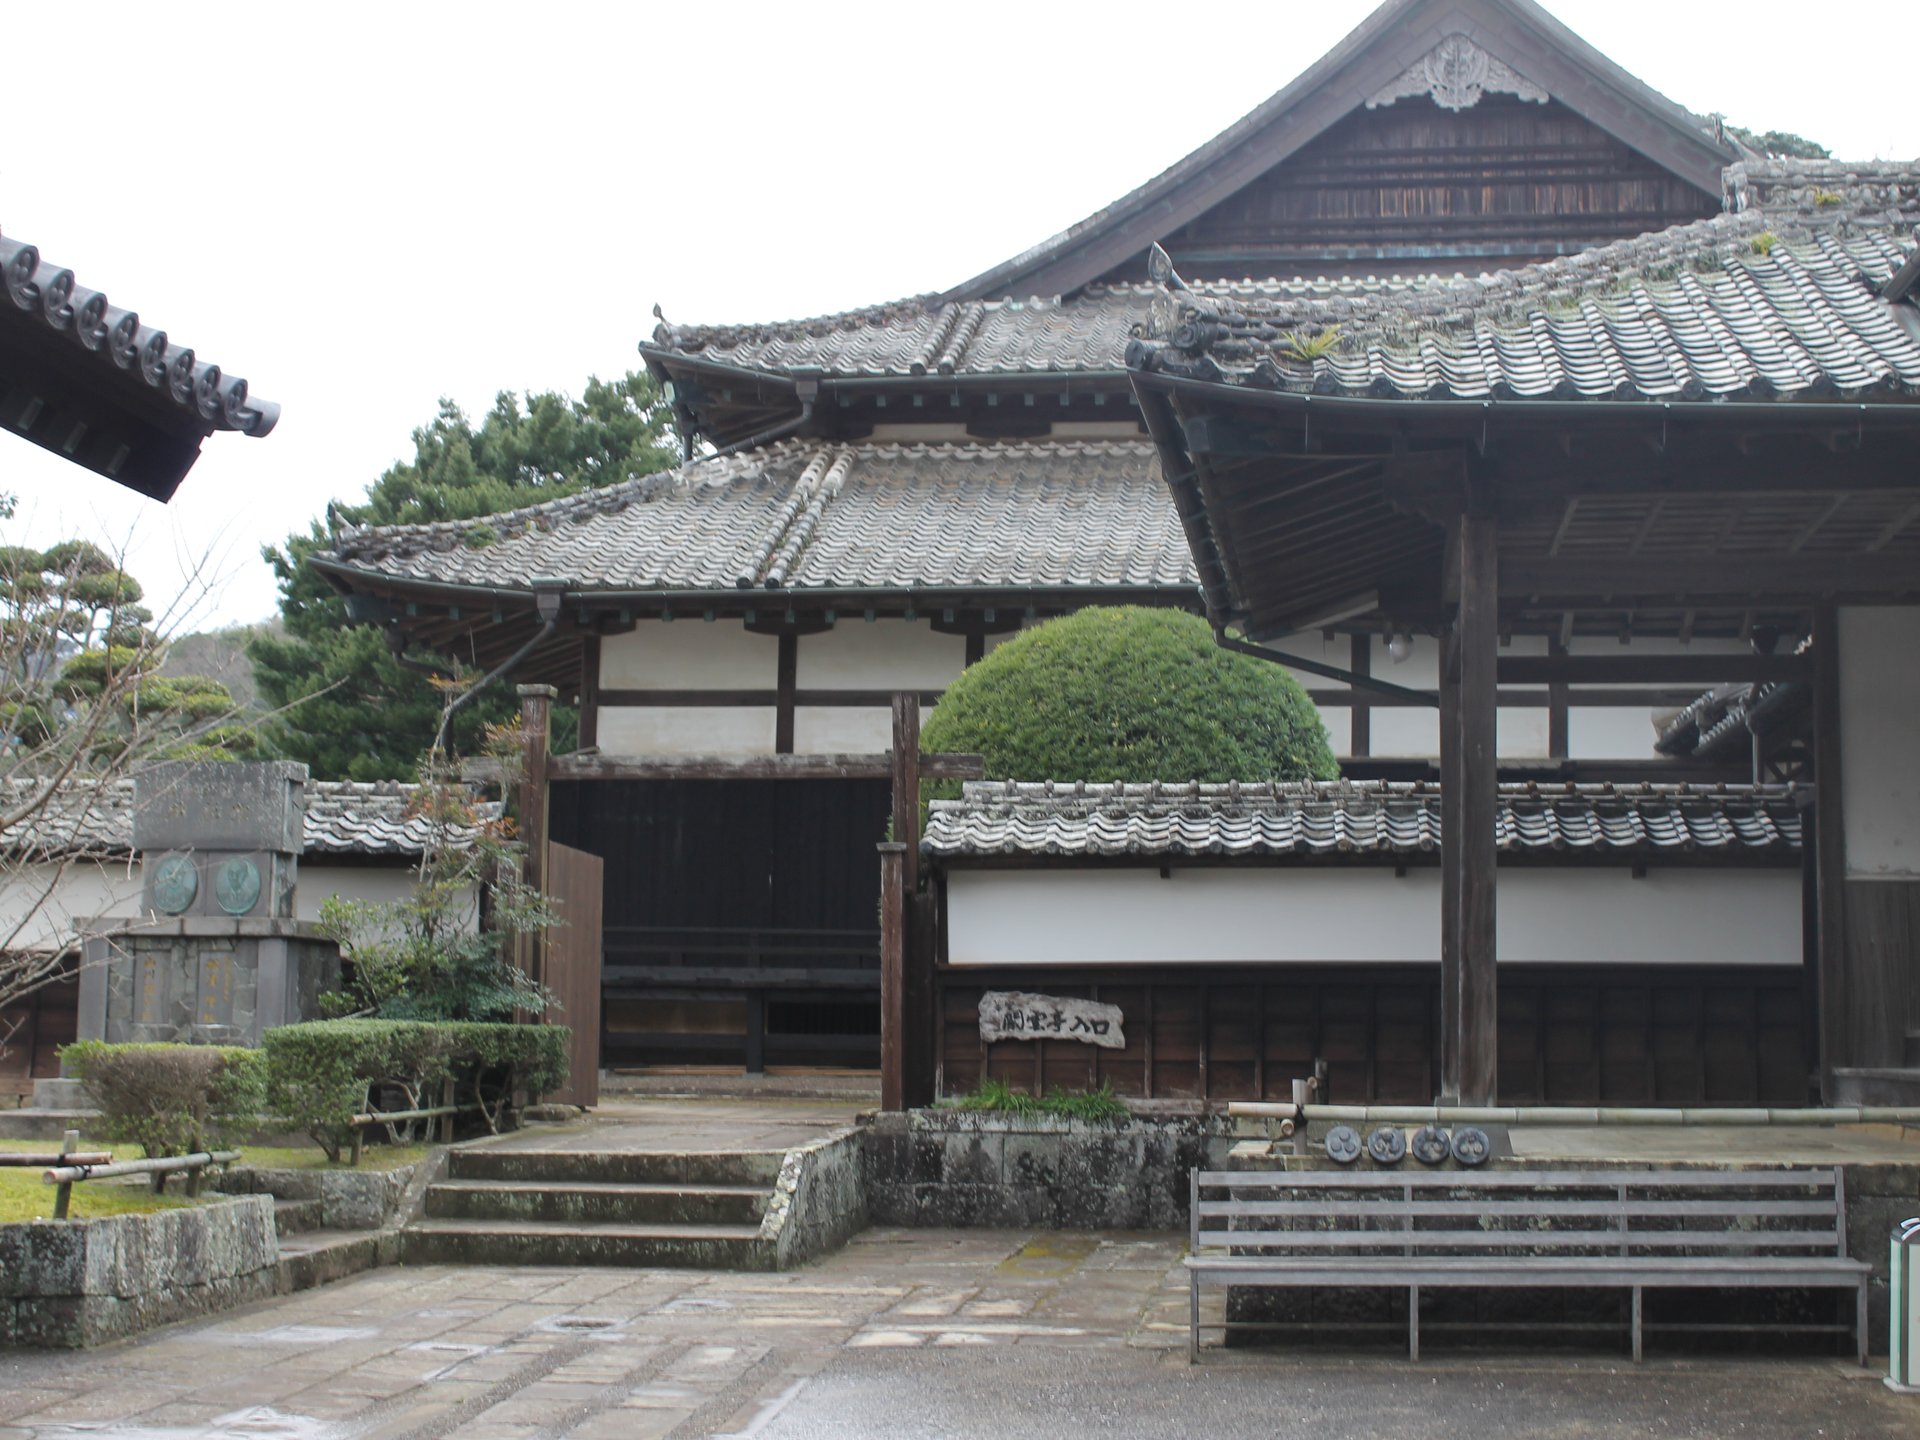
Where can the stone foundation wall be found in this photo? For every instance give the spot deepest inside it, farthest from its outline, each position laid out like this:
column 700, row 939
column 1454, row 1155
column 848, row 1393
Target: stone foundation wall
column 70, row 1284
column 960, row 1167
column 819, row 1200
column 349, row 1199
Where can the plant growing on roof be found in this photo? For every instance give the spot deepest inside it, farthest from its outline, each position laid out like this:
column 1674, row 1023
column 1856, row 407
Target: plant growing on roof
column 1129, row 693
column 1299, row 345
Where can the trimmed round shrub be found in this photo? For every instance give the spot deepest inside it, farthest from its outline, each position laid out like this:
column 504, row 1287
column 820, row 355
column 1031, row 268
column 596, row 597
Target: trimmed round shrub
column 168, row 1099
column 1129, row 694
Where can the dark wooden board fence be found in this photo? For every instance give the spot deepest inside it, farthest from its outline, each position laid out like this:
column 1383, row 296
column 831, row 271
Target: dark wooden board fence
column 573, row 964
column 1668, row 1035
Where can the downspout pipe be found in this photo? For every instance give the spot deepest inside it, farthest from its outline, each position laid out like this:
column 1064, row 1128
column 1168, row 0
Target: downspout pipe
column 1320, row 667
column 547, row 600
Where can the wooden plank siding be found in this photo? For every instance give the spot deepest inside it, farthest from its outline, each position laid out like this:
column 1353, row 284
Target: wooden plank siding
column 1503, row 183
column 1657, row 1035
column 48, row 1019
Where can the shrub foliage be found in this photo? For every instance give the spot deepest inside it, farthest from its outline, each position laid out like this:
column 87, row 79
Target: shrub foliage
column 321, row 1074
column 1129, row 694
column 169, row 1099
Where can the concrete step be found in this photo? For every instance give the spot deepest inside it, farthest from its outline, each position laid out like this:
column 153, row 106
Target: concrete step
column 58, row 1094
column 553, row 1167
column 1880, row 1085
column 597, row 1202
column 319, row 1257
column 295, row 1217
column 526, row 1242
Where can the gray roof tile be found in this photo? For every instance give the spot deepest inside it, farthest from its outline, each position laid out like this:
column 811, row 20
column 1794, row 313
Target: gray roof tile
column 344, row 817
column 1755, row 304
column 1008, row 819
column 113, row 341
column 811, row 515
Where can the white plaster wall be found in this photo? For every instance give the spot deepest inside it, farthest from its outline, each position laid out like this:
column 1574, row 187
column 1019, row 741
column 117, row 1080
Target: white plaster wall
column 824, row 730
column 1307, row 915
column 41, row 907
column 883, row 655
column 380, row 884
column 1880, row 740
column 688, row 654
column 691, row 730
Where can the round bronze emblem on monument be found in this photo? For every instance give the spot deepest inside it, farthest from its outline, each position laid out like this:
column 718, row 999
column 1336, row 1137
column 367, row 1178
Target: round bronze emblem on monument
column 176, row 880
column 236, row 886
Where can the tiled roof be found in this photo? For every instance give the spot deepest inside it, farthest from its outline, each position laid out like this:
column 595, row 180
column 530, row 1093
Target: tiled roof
column 1689, row 311
column 114, row 341
column 1754, row 304
column 1088, row 332
column 809, row 515
column 1011, row 819
column 344, row 817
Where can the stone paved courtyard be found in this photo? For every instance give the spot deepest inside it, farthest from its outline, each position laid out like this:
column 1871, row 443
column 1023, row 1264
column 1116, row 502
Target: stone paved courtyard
column 904, row 1333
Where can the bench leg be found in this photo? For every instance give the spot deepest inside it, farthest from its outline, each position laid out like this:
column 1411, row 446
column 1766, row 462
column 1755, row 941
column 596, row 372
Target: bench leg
column 1860, row 1323
column 1193, row 1318
column 1636, row 1323
column 1413, row 1322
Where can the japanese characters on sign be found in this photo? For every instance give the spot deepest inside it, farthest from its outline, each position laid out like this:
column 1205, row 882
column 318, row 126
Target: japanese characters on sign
column 1016, row 1015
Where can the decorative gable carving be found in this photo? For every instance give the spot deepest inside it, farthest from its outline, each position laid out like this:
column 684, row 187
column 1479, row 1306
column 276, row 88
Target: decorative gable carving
column 1456, row 73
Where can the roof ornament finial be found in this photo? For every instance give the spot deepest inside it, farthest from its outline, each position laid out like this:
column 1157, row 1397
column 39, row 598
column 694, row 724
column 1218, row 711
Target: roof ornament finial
column 1160, row 268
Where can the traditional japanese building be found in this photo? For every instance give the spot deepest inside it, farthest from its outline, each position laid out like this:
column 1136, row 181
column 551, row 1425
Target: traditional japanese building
column 1459, row 206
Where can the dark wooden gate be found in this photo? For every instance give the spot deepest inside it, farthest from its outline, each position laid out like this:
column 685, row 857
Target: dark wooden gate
column 573, row 964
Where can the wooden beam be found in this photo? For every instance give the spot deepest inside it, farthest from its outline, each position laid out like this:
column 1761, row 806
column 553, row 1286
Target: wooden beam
column 1695, row 576
column 906, row 783
column 1470, row 770
column 893, row 937
column 786, row 668
column 1830, row 854
column 1360, row 732
column 735, row 767
column 1701, row 669
column 589, row 692
column 536, row 722
column 766, row 699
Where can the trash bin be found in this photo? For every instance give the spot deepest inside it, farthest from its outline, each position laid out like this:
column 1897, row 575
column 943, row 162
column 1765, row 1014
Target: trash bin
column 1903, row 1347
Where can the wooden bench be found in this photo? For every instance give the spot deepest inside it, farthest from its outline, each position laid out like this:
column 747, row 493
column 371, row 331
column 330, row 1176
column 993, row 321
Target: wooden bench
column 1625, row 1230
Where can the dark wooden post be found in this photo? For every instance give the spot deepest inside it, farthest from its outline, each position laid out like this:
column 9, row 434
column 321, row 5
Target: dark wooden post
column 906, row 782
column 893, row 944
column 1360, row 731
column 1830, row 850
column 536, row 719
column 590, row 692
column 917, row 943
column 1469, row 990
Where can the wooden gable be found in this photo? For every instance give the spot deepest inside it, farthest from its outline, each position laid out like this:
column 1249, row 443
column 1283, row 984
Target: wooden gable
column 1440, row 135
column 1413, row 186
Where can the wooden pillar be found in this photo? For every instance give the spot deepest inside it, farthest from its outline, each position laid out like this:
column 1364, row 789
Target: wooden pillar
column 590, row 692
column 893, row 945
column 1360, row 661
column 786, row 678
column 1558, row 698
column 1469, row 990
column 1830, row 850
column 917, row 934
column 536, row 722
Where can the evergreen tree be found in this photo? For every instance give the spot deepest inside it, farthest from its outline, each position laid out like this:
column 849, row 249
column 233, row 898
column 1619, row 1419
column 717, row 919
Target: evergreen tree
column 352, row 712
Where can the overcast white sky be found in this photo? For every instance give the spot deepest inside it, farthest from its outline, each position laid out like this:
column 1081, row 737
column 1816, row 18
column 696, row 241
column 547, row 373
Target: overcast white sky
column 362, row 208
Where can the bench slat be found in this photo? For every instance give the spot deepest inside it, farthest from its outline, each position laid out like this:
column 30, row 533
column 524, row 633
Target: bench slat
column 1514, row 1179
column 1263, row 1240
column 1516, row 1209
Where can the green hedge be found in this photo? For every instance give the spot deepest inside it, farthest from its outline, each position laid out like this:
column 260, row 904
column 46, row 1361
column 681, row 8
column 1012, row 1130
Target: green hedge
column 168, row 1099
column 1129, row 693
column 319, row 1073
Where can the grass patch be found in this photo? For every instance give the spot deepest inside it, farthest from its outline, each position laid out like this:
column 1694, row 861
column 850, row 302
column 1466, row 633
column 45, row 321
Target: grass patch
column 312, row 1157
column 24, row 1196
column 1100, row 1106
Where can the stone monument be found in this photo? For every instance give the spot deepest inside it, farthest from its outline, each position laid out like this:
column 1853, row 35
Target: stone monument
column 217, row 956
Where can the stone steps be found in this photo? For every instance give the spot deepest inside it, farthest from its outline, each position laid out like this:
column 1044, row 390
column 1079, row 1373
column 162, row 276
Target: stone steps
column 596, row 1202
column 296, row 1217
column 527, row 1242
column 504, row 1206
